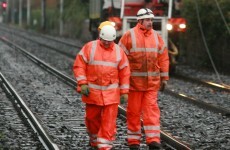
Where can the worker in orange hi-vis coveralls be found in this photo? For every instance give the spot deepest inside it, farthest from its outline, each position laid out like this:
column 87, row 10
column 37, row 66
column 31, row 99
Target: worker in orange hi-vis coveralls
column 149, row 64
column 102, row 72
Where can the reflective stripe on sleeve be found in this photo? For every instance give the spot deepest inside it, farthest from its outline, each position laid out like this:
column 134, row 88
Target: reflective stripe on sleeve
column 124, row 86
column 144, row 74
column 81, row 78
column 111, row 86
column 83, row 56
column 162, row 50
column 124, row 65
column 124, row 48
column 164, row 74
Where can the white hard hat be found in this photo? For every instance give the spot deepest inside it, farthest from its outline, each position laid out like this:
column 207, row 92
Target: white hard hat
column 144, row 13
column 108, row 33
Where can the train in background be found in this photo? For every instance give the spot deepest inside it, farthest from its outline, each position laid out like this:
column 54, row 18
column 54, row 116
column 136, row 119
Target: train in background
column 167, row 22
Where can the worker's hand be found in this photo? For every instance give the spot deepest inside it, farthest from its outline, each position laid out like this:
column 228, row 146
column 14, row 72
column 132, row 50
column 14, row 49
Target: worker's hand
column 123, row 98
column 85, row 90
column 163, row 85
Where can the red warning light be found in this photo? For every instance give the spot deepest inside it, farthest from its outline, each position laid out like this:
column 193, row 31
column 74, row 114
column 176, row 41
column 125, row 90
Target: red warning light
column 4, row 5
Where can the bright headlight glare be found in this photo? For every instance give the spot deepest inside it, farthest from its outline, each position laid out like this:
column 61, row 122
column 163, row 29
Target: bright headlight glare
column 169, row 27
column 182, row 26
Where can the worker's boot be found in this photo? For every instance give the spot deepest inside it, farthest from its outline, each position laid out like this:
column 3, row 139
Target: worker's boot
column 93, row 148
column 134, row 147
column 154, row 146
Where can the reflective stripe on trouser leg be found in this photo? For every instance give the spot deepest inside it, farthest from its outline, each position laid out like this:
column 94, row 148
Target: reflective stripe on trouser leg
column 151, row 117
column 108, row 127
column 133, row 117
column 93, row 122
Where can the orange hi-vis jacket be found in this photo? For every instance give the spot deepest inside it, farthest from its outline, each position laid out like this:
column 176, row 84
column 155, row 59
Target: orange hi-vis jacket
column 148, row 58
column 105, row 70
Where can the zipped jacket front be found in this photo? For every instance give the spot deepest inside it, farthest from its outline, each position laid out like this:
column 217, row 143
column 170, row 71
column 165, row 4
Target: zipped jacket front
column 105, row 70
column 148, row 58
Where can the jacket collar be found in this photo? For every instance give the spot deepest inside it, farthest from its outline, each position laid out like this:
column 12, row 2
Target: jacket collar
column 143, row 30
column 109, row 48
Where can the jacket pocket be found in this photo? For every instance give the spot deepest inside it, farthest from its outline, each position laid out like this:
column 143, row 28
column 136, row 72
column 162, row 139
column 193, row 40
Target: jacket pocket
column 92, row 79
column 135, row 66
column 113, row 80
column 156, row 67
column 112, row 77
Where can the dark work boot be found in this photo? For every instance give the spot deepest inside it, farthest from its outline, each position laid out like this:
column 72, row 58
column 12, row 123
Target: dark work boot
column 154, row 146
column 93, row 148
column 134, row 147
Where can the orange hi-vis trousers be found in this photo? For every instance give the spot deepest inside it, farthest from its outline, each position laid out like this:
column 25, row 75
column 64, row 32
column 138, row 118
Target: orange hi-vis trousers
column 101, row 125
column 143, row 105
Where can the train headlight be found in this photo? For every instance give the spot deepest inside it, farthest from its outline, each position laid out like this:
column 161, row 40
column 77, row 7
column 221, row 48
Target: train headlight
column 169, row 27
column 182, row 26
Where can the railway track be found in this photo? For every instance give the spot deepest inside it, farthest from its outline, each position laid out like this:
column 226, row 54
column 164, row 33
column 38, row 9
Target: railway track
column 15, row 121
column 210, row 84
column 164, row 123
column 72, row 129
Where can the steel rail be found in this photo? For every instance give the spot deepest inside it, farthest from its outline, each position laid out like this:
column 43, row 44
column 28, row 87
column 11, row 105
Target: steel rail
column 171, row 141
column 205, row 83
column 43, row 35
column 29, row 116
column 45, row 45
column 202, row 104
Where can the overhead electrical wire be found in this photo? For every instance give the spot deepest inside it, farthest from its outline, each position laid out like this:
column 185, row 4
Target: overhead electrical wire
column 222, row 16
column 205, row 43
column 225, row 22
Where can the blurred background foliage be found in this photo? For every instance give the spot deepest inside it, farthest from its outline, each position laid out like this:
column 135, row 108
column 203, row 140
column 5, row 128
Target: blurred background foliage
column 215, row 31
column 74, row 14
